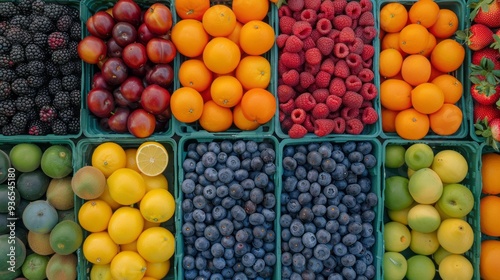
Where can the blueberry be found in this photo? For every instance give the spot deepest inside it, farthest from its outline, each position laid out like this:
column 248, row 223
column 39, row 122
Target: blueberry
column 200, row 228
column 309, row 240
column 295, row 244
column 233, row 162
column 348, row 260
column 269, row 200
column 236, row 191
column 340, row 172
column 328, row 165
column 348, row 273
column 297, row 228
column 299, row 261
column 285, row 220
column 293, row 206
column 250, row 207
column 259, row 232
column 248, row 184
column 300, row 172
column 370, row 272
column 354, row 227
column 210, row 174
column 371, row 199
column 365, row 183
column 300, row 158
column 367, row 229
column 338, row 156
column 315, row 266
column 248, row 259
column 209, row 159
column 369, row 161
column 187, row 205
column 261, row 180
column 310, row 227
column 240, row 249
column 188, row 186
column 269, row 168
column 312, row 175
column 332, row 212
column 286, row 258
column 257, row 243
column 240, row 275
column 250, row 272
column 211, row 233
column 368, row 241
column 258, row 252
column 325, row 149
column 209, row 192
column 314, row 158
column 323, row 236
column 306, row 215
column 199, row 215
column 239, row 147
column 304, row 198
column 190, row 274
column 200, row 262
column 307, row 253
column 341, row 184
column 320, row 199
column 222, row 191
column 358, row 168
column 189, row 165
column 357, row 248
column 319, row 222
column 303, row 185
column 289, row 163
column 353, row 189
column 256, row 163
column 339, row 249
column 188, row 262
column 227, row 241
column 214, row 147
column 219, row 213
column 330, row 263
column 330, row 191
column 319, row 210
column 343, row 218
column 259, row 265
column 256, row 195
column 290, row 183
column 349, row 201
column 226, row 227
column 238, row 225
column 349, row 239
column 188, row 229
column 240, row 174
column 256, row 219
column 286, row 272
column 228, row 202
column 360, row 198
column 225, row 175
column 268, row 155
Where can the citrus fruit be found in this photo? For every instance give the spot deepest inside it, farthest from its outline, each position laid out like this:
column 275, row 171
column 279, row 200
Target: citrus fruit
column 66, row 237
column 427, row 98
column 215, row 118
column 193, row 73
column 155, row 182
column 186, row 104
column 489, row 205
column 39, row 216
column 157, row 206
column 424, row 243
column 241, row 122
column 490, row 254
column 125, row 225
column 130, row 159
column 219, row 20
column 451, row 166
column 455, row 235
column 191, row 9
column 156, row 244
column 60, row 193
column 34, row 266
column 455, row 267
column 254, row 71
column 94, row 215
column 128, row 265
column 411, row 124
column 126, row 186
column 25, row 157
column 189, row 37
column 489, row 168
column 247, row 10
column 88, row 182
column 256, row 37
column 151, row 158
column 40, row 243
column 62, row 267
column 226, row 91
column 221, row 55
column 157, row 270
column 258, row 105
column 108, row 157
column 99, row 248
column 100, row 272
column 448, row 55
column 57, row 161
column 393, row 17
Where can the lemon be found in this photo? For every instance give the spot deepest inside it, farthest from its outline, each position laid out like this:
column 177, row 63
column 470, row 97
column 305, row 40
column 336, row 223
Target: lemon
column 157, row 206
column 455, row 267
column 126, row 186
column 156, row 244
column 151, row 158
column 108, row 157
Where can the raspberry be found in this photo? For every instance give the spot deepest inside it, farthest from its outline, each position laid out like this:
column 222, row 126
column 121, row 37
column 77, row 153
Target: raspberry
column 366, row 19
column 313, row 56
column 320, row 95
column 320, row 111
column 287, row 107
column 328, row 65
column 368, row 91
column 341, row 69
column 327, row 7
column 324, row 26
column 309, row 15
column 285, row 93
column 325, row 45
column 305, row 101
column 339, row 6
column 315, row 35
column 334, row 35
column 283, row 11
column 366, row 5
column 297, row 131
column 306, row 79
column 356, row 46
column 341, row 50
column 333, row 102
column 369, row 33
column 309, row 43
column 291, row 77
column 348, row 113
column 368, row 52
column 323, row 79
column 281, row 40
column 295, row 5
column 309, row 123
column 353, row 61
column 369, row 115
column 323, row 127
column 367, row 63
column 347, row 35
column 338, row 125
column 281, row 68
column 353, row 83
column 312, row 88
column 312, row 68
column 352, row 99
column 301, row 29
column 298, row 115
column 342, row 21
column 366, row 75
column 286, row 124
column 334, row 115
column 353, row 9
column 293, row 44
column 290, row 60
column 312, row 4
column 354, row 126
column 281, row 115
column 296, row 15
column 286, row 23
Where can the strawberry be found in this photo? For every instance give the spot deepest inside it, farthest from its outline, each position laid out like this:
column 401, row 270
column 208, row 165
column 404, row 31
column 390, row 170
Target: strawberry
column 486, row 12
column 297, row 131
column 482, row 112
column 489, row 130
column 484, row 93
column 485, row 73
column 323, row 127
column 492, row 54
column 477, row 36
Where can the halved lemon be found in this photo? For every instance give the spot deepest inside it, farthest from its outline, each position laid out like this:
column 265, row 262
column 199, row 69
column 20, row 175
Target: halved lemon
column 151, row 158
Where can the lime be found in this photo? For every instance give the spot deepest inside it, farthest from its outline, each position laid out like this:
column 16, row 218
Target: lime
column 25, row 157
column 57, row 161
column 394, row 156
column 397, row 194
column 151, row 158
column 34, row 266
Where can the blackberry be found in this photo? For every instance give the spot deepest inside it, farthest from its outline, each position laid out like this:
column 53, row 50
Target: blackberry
column 59, row 127
column 73, row 48
column 41, row 24
column 7, row 108
column 34, row 52
column 36, row 67
column 37, row 7
column 7, row 75
column 32, row 115
column 52, row 69
column 55, row 85
column 47, row 113
column 61, row 100
column 66, row 115
column 22, row 70
column 64, row 23
column 4, row 25
column 4, row 120
column 72, row 12
column 42, row 100
column 57, row 40
column 40, row 39
column 8, row 9
column 21, row 21
column 75, row 31
column 20, row 86
column 76, row 97
column 4, row 90
column 61, row 56
column 11, row 129
column 17, row 35
column 70, row 82
column 25, row 6
column 74, row 125
column 68, row 68
column 24, row 103
column 53, row 11
column 17, row 54
column 20, row 119
column 5, row 61
column 37, row 127
column 4, row 45
column 35, row 81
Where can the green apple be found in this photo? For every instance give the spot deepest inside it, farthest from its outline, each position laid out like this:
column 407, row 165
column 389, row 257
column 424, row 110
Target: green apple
column 456, row 201
column 424, row 218
column 397, row 194
column 420, row 267
column 395, row 266
column 397, row 237
column 394, row 156
column 419, row 155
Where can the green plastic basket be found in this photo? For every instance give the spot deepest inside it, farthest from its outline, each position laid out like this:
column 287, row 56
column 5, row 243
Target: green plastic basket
column 183, row 129
column 376, row 177
column 469, row 150
column 459, row 7
column 73, row 4
column 369, row 131
column 182, row 154
column 85, row 149
column 91, row 124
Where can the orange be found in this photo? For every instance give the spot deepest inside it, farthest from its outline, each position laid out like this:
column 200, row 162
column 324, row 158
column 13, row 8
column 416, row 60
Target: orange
column 186, row 104
column 94, row 215
column 155, row 182
column 219, row 20
column 157, row 270
column 157, row 206
column 235, row 35
column 393, row 17
column 434, row 72
column 258, row 105
column 241, row 122
column 256, row 37
column 109, row 157
column 247, row 10
column 215, row 118
column 395, row 94
column 431, row 43
column 446, row 24
column 490, row 224
column 411, row 124
column 254, row 71
column 416, row 69
column 488, row 260
column 191, row 9
column 99, row 248
column 130, row 159
column 452, row 88
column 125, row 225
column 391, row 41
column 446, row 120
column 489, row 172
column 427, row 98
column 189, row 37
column 388, row 120
column 126, row 186
column 221, row 55
column 226, row 91
column 132, row 246
column 106, row 197
column 413, row 38
column 390, row 62
column 424, row 12
column 447, row 55
column 128, row 265
column 193, row 73
column 156, row 244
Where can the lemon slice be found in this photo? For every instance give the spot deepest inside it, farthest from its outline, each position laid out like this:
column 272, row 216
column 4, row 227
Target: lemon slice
column 151, row 158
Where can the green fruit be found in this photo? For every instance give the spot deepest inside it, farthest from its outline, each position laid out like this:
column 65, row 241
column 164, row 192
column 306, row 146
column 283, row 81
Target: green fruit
column 420, row 267
column 394, row 156
column 66, row 215
column 9, row 196
column 62, row 267
column 88, row 182
column 59, row 193
column 9, row 275
column 4, row 166
column 397, row 195
column 14, row 258
column 39, row 216
column 25, row 157
column 57, row 161
column 419, row 155
column 33, row 185
column 34, row 266
column 66, row 237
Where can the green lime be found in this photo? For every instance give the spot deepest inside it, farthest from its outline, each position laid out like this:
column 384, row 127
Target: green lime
column 57, row 161
column 394, row 156
column 25, row 157
column 397, row 194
